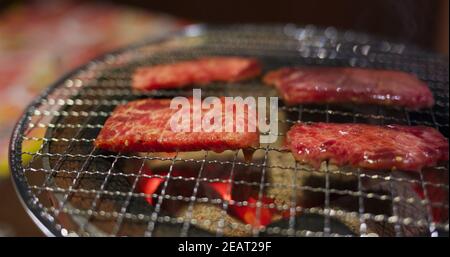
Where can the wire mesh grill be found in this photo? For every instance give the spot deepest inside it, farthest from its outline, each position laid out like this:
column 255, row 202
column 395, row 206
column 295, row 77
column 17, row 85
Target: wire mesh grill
column 72, row 188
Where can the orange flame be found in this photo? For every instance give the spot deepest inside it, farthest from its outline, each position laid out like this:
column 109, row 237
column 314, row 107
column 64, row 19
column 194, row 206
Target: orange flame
column 249, row 214
column 435, row 194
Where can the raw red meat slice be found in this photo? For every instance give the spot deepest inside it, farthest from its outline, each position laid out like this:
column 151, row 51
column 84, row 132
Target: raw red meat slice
column 144, row 126
column 350, row 85
column 199, row 71
column 368, row 146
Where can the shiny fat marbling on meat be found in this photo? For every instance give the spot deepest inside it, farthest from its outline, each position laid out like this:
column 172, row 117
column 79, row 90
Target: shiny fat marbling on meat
column 143, row 126
column 350, row 85
column 367, row 146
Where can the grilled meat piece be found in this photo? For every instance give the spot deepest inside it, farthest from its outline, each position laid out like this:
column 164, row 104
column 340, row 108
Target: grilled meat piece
column 200, row 71
column 350, row 85
column 144, row 126
column 368, row 146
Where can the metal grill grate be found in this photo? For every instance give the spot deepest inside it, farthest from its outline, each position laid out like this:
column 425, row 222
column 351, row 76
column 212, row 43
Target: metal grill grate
column 71, row 188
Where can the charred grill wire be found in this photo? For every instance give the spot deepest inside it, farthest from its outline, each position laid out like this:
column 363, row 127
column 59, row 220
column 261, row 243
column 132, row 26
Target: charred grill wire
column 72, row 188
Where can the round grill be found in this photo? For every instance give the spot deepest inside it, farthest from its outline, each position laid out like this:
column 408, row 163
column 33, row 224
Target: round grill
column 71, row 188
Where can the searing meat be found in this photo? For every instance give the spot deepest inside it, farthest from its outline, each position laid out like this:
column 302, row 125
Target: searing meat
column 368, row 146
column 350, row 85
column 145, row 126
column 199, row 71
